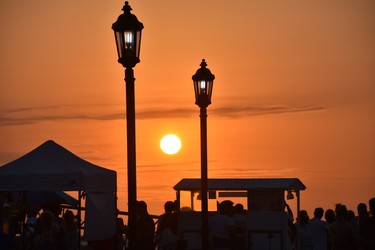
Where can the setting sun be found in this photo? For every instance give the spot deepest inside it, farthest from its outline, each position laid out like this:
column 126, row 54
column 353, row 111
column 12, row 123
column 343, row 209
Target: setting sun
column 170, row 144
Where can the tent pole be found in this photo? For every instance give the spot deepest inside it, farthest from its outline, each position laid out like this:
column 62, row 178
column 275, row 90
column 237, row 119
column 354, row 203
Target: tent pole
column 298, row 221
column 117, row 214
column 26, row 205
column 79, row 218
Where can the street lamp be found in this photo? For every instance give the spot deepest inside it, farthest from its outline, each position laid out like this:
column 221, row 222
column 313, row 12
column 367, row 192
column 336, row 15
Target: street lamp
column 203, row 83
column 128, row 31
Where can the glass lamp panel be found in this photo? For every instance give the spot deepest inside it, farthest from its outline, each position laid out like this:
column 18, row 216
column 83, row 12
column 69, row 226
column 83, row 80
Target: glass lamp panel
column 196, row 90
column 119, row 43
column 210, row 85
column 138, row 44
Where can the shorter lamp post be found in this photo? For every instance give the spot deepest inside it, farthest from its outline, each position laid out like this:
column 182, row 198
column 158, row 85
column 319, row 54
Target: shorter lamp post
column 203, row 83
column 128, row 30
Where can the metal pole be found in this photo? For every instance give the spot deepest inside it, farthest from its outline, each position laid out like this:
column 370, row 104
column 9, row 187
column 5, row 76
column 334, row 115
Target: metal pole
column 204, row 184
column 79, row 216
column 132, row 178
column 298, row 221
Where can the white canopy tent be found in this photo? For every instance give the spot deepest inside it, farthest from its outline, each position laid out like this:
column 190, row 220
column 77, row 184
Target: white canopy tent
column 51, row 167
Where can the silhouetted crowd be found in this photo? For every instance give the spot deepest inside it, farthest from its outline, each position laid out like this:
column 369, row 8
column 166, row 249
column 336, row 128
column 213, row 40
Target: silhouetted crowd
column 341, row 228
column 331, row 229
column 46, row 231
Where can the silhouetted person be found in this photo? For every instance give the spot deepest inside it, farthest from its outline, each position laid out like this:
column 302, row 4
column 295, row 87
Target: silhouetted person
column 70, row 230
column 292, row 229
column 145, row 228
column 222, row 227
column 341, row 231
column 305, row 234
column 351, row 216
column 240, row 218
column 238, row 209
column 121, row 231
column 166, row 232
column 48, row 237
column 367, row 229
column 319, row 229
column 330, row 218
column 29, row 230
column 362, row 214
column 56, row 210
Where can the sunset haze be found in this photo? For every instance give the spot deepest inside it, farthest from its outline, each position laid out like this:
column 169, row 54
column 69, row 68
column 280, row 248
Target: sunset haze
column 293, row 96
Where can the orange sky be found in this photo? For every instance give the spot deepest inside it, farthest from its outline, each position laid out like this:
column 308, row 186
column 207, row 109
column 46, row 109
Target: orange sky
column 294, row 92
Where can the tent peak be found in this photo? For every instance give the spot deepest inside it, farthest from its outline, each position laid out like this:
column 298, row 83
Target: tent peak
column 50, row 142
column 52, row 167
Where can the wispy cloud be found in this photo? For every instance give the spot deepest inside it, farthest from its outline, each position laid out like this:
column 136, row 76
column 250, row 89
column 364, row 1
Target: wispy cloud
column 24, row 116
column 237, row 112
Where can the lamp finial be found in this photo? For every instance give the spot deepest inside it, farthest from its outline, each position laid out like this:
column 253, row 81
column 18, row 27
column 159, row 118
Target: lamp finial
column 203, row 63
column 127, row 7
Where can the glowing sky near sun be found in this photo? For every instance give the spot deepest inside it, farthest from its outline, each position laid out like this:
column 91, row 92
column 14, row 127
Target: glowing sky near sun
column 294, row 92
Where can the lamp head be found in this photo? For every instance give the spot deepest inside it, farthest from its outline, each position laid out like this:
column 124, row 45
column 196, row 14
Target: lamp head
column 203, row 81
column 128, row 31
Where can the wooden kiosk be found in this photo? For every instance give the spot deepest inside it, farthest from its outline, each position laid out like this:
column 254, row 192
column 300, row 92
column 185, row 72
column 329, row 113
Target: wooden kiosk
column 264, row 221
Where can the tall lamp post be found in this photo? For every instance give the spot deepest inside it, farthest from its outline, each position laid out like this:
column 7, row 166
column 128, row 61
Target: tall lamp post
column 203, row 83
column 128, row 31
